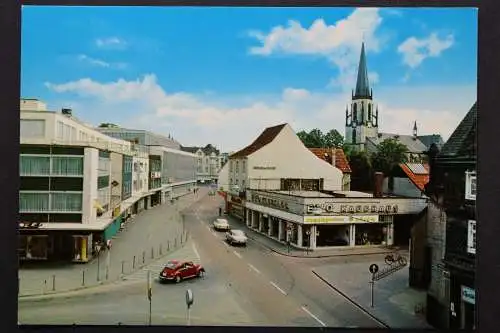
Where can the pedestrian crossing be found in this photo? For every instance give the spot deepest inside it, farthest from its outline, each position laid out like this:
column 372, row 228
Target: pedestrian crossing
column 188, row 252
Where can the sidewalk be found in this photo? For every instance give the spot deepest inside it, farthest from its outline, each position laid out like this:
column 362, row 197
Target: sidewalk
column 394, row 302
column 152, row 234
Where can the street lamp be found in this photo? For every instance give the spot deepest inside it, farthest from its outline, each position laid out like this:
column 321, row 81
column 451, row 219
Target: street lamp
column 308, row 233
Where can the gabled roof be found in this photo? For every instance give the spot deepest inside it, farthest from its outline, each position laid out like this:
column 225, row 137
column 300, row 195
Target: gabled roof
column 207, row 150
column 414, row 146
column 266, row 137
column 462, row 142
column 341, row 161
column 190, row 149
column 428, row 140
column 417, row 173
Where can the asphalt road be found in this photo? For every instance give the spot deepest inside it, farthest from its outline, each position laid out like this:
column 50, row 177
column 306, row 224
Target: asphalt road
column 243, row 286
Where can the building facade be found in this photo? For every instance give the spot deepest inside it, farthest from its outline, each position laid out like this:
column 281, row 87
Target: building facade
column 68, row 173
column 283, row 190
column 362, row 122
column 209, row 162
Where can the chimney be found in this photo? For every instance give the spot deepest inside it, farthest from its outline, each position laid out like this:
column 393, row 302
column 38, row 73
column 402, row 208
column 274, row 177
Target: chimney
column 333, row 156
column 379, row 182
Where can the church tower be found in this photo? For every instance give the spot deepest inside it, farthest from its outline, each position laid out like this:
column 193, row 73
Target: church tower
column 362, row 118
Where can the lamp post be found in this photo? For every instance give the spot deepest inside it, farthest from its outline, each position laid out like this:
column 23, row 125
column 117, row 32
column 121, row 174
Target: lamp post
column 308, row 233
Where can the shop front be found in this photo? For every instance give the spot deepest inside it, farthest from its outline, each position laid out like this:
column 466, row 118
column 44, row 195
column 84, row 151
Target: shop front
column 235, row 207
column 33, row 247
column 462, row 300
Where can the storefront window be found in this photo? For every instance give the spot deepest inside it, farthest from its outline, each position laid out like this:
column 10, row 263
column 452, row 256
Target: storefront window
column 370, row 234
column 82, row 249
column 36, row 247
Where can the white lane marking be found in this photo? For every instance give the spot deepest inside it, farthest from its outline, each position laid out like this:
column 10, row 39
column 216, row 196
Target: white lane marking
column 226, row 244
column 254, row 268
column 237, row 254
column 314, row 317
column 195, row 250
column 277, row 287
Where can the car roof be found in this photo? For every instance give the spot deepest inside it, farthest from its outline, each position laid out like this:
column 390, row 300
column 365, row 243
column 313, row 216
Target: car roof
column 237, row 231
column 221, row 220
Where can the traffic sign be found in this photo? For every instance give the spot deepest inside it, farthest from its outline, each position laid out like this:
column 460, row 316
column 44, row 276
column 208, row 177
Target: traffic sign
column 373, row 268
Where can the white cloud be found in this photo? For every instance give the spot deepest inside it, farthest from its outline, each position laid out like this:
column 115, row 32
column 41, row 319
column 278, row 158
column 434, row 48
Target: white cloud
column 101, row 63
column 111, row 42
column 201, row 119
column 415, row 50
column 340, row 42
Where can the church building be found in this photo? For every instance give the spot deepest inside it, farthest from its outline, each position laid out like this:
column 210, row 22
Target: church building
column 362, row 122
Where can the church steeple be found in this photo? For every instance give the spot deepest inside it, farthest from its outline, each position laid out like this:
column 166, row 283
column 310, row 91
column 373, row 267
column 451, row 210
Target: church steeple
column 415, row 129
column 362, row 84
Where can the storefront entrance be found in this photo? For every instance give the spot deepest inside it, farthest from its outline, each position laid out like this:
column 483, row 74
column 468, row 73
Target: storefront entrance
column 332, row 235
column 370, row 234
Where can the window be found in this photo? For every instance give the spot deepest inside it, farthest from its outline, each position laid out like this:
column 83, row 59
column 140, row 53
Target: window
column 243, row 183
column 471, row 237
column 32, row 128
column 243, row 166
column 60, row 130
column 67, row 166
column 34, row 165
column 103, row 196
column 33, row 202
column 231, row 181
column 230, row 166
column 237, row 166
column 470, row 185
column 66, row 202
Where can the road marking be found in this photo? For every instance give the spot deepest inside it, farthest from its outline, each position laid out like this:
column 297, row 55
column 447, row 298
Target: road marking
column 226, row 244
column 195, row 250
column 237, row 254
column 208, row 227
column 313, row 316
column 277, row 287
column 253, row 267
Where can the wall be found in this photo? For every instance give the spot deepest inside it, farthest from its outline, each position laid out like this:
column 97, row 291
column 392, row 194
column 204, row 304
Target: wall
column 403, row 187
column 178, row 166
column 90, row 165
column 291, row 159
column 223, row 179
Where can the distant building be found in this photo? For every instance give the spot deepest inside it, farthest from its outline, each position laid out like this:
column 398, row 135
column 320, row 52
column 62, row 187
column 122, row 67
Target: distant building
column 362, row 122
column 209, row 162
column 409, row 180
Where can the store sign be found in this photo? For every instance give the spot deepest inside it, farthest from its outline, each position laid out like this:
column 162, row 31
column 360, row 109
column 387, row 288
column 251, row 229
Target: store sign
column 387, row 209
column 342, row 219
column 327, row 207
column 468, row 295
column 270, row 202
column 264, row 168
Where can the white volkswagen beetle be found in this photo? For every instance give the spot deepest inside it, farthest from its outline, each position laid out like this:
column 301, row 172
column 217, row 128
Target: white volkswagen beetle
column 221, row 224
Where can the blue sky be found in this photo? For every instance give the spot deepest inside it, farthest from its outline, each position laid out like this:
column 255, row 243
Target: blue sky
column 220, row 75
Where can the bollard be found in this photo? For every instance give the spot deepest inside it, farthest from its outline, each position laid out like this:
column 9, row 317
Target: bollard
column 123, row 264
column 168, row 245
column 160, row 250
column 53, row 282
column 83, row 278
column 133, row 263
column 44, row 286
column 143, row 257
column 152, row 253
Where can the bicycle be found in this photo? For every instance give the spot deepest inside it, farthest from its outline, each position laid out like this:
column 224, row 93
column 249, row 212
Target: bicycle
column 395, row 257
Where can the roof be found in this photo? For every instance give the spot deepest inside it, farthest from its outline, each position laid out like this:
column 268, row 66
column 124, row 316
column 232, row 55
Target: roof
column 428, row 140
column 362, row 83
column 207, row 150
column 341, row 161
column 266, row 137
column 462, row 142
column 414, row 146
column 417, row 173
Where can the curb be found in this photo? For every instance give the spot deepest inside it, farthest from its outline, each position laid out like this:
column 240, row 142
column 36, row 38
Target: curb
column 315, row 256
column 67, row 293
column 351, row 301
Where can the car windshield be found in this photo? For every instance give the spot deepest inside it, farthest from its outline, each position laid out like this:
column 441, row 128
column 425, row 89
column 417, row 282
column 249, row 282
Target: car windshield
column 222, row 221
column 238, row 233
column 171, row 265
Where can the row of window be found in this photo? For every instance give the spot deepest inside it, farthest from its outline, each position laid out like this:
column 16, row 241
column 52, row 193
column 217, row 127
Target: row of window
column 50, row 202
column 237, row 166
column 236, row 182
column 46, row 165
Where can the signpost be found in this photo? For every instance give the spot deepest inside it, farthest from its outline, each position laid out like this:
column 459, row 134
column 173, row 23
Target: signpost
column 308, row 233
column 189, row 303
column 373, row 269
column 150, row 294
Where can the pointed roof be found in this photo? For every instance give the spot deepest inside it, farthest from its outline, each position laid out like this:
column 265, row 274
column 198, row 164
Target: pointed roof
column 362, row 84
column 417, row 173
column 462, row 142
column 415, row 125
column 266, row 137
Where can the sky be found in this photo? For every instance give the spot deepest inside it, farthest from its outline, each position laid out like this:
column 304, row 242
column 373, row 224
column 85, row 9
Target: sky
column 221, row 75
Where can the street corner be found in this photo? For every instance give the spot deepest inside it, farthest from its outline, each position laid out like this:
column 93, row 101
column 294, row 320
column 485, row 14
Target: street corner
column 409, row 300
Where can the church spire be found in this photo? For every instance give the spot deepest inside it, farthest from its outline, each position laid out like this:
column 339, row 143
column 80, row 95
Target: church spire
column 362, row 84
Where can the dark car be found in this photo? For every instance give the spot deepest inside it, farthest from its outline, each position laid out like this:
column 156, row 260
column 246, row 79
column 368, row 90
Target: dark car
column 177, row 271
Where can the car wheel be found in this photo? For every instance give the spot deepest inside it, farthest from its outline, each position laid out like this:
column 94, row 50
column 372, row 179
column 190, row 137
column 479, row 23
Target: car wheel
column 177, row 279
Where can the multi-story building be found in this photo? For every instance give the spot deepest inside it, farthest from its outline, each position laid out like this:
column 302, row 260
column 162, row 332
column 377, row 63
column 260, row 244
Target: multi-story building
column 444, row 245
column 209, row 162
column 172, row 171
column 73, row 183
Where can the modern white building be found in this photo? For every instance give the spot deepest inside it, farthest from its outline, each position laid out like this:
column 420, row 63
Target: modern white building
column 73, row 184
column 209, row 162
column 283, row 190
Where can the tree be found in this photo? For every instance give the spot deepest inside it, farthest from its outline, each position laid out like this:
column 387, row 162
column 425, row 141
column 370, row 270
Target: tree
column 362, row 171
column 316, row 138
column 390, row 153
column 333, row 139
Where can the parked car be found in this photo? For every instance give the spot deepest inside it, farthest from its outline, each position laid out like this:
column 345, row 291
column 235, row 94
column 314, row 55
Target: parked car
column 221, row 224
column 177, row 271
column 236, row 237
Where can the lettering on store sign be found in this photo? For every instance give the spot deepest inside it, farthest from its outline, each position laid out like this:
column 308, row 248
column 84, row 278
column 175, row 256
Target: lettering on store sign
column 341, row 219
column 327, row 207
column 369, row 209
column 264, row 168
column 271, row 202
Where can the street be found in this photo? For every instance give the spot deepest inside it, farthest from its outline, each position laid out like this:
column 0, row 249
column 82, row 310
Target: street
column 243, row 286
